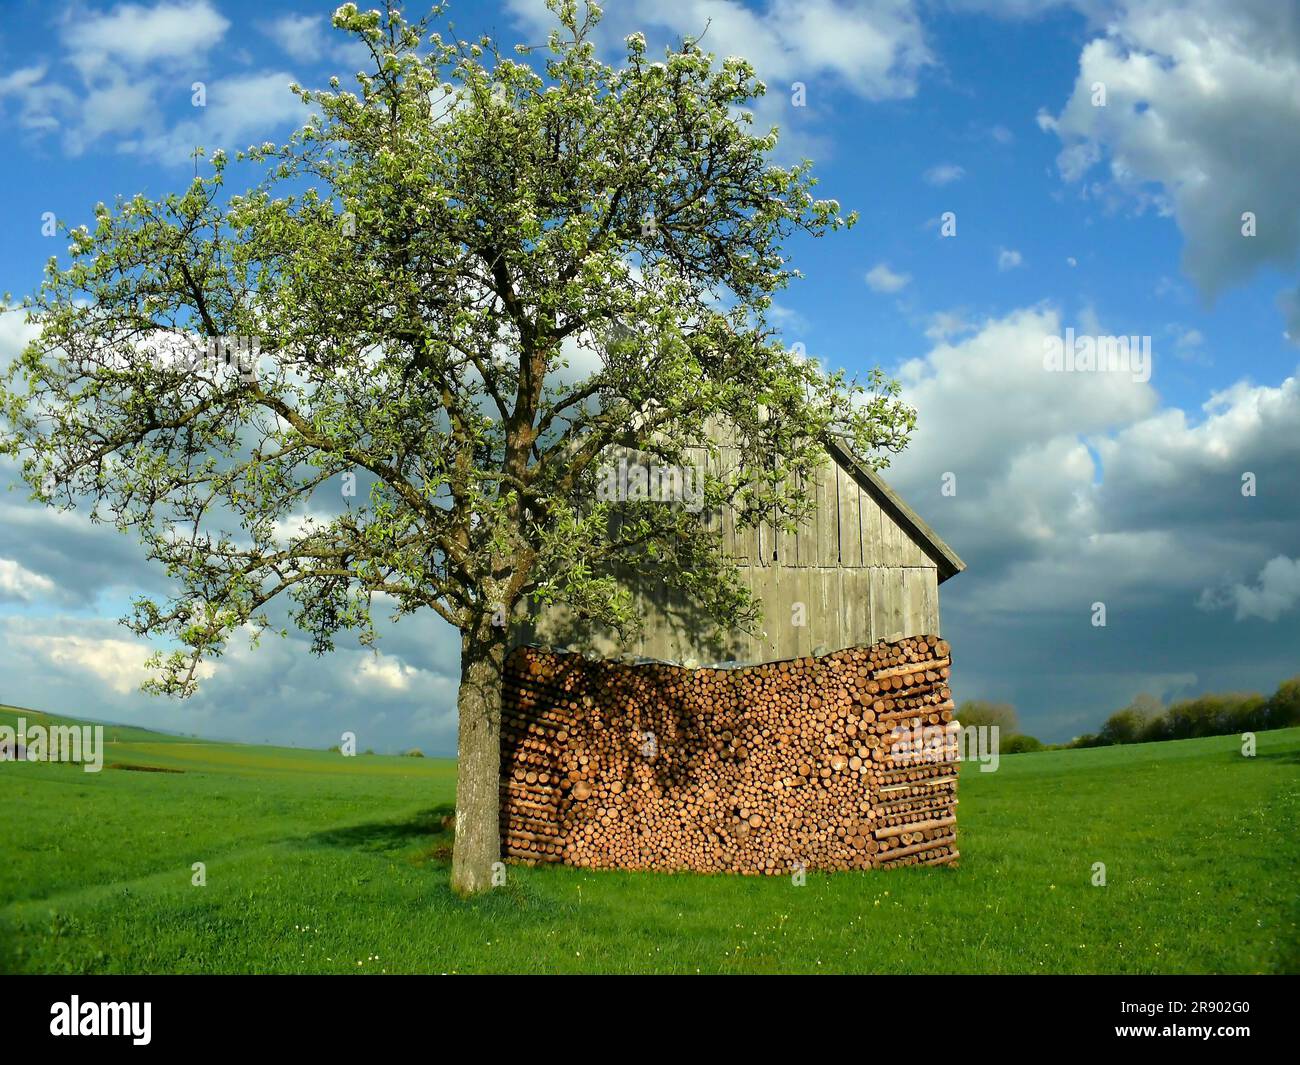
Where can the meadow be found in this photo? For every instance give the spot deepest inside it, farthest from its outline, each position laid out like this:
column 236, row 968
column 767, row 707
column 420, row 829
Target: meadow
column 316, row 863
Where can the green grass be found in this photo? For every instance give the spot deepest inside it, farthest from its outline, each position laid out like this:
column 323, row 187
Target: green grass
column 317, row 863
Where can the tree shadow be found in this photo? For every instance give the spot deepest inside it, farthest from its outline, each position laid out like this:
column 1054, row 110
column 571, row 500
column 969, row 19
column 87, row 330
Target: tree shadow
column 647, row 732
column 1277, row 757
column 434, row 825
column 695, row 632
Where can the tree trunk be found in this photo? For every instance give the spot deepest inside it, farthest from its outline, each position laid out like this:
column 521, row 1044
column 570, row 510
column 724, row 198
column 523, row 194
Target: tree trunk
column 478, row 766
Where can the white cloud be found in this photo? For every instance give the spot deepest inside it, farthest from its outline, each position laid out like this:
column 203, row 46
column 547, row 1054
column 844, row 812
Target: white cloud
column 946, row 324
column 1008, row 259
column 386, row 671
column 943, row 174
column 1276, row 592
column 875, row 49
column 118, row 72
column 1193, row 88
column 39, row 101
column 18, row 582
column 119, row 664
column 141, row 36
column 1074, row 486
column 311, row 39
column 14, row 335
column 880, row 278
column 302, row 37
column 238, row 109
column 21, row 79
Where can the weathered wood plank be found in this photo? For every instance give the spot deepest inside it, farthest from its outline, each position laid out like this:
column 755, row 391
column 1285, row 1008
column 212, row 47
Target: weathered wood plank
column 825, row 549
column 873, row 550
column 760, row 580
column 730, row 543
column 787, row 547
column 896, row 540
column 800, row 592
column 915, row 620
column 880, row 590
column 828, row 633
column 931, row 600
column 848, row 510
column 700, row 458
column 852, row 594
column 892, row 607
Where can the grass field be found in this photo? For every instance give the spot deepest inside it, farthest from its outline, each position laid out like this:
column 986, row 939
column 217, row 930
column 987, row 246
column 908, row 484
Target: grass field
column 320, row 864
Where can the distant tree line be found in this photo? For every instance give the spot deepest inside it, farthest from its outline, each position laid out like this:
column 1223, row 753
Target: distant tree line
column 1148, row 720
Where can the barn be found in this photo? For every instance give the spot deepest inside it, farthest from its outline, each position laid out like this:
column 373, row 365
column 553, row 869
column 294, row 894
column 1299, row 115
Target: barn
column 825, row 741
column 863, row 569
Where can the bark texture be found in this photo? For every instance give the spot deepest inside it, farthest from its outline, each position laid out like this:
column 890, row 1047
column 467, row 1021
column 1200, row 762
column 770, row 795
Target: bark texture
column 478, row 766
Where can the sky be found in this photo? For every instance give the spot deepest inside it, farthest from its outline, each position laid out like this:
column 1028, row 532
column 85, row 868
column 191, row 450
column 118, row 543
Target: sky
column 1021, row 168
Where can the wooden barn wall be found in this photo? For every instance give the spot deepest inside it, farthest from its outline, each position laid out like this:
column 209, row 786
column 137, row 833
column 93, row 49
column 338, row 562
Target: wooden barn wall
column 861, row 578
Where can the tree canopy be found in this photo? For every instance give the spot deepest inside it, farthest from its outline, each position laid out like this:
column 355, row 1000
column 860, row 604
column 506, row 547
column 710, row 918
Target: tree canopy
column 387, row 372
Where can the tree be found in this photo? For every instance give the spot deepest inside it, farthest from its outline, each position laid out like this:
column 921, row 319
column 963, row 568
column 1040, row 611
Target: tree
column 1021, row 744
column 421, row 265
column 1283, row 708
column 982, row 713
column 1132, row 724
column 1123, row 726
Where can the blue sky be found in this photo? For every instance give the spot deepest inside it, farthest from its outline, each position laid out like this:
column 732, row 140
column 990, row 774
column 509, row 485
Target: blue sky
column 1072, row 488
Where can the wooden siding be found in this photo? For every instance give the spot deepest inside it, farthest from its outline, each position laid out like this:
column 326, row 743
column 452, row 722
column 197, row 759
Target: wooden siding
column 854, row 575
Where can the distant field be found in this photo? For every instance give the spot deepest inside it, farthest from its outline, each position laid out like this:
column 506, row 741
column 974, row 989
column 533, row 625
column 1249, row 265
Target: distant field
column 323, row 864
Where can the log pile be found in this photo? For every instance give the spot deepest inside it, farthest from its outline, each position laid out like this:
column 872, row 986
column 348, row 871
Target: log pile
column 843, row 761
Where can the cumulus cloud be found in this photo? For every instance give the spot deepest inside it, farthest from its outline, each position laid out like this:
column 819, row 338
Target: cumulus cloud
column 301, row 36
column 1276, row 592
column 1193, row 88
column 14, row 335
column 138, row 35
column 275, row 692
column 311, row 39
column 880, row 278
column 117, row 664
column 1088, row 471
column 119, row 73
column 386, row 671
column 1075, row 488
column 945, row 324
column 18, row 582
column 874, row 48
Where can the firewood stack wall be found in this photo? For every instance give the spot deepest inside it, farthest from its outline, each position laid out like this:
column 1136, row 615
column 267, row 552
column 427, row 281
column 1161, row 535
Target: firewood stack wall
column 844, row 761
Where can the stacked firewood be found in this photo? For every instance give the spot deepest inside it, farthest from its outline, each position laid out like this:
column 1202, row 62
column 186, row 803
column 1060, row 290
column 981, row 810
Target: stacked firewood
column 843, row 761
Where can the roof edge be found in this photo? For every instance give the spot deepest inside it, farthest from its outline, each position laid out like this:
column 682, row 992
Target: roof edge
column 949, row 562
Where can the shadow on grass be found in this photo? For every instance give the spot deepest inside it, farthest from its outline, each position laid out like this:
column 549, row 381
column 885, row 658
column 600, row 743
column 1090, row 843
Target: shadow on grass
column 1277, row 757
column 434, row 826
column 425, row 840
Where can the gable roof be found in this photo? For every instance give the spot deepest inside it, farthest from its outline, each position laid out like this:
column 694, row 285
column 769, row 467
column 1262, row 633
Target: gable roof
column 891, row 502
